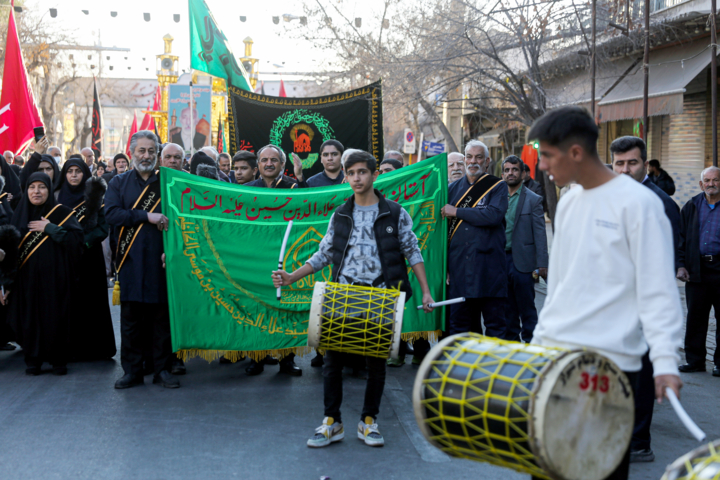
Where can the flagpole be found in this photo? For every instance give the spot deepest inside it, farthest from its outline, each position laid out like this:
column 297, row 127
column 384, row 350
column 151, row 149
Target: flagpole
column 192, row 126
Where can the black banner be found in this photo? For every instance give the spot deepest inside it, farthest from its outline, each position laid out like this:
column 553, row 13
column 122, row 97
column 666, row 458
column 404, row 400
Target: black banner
column 97, row 137
column 301, row 125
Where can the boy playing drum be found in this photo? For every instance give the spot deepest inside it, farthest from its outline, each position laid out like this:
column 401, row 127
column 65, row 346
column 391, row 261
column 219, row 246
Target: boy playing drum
column 368, row 241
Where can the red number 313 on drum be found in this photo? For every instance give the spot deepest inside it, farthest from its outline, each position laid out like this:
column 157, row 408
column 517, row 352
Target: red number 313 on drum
column 591, row 382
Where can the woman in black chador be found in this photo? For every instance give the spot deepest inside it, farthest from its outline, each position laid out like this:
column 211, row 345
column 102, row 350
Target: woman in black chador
column 90, row 329
column 39, row 300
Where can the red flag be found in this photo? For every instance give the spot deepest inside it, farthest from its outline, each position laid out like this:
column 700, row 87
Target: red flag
column 133, row 131
column 156, row 101
column 282, row 89
column 148, row 123
column 18, row 111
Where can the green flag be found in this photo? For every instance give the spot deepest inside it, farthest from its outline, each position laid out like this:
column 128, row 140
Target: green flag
column 209, row 48
column 225, row 240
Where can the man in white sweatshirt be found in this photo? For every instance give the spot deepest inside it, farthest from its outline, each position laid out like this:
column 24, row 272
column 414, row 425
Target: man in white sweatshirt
column 607, row 289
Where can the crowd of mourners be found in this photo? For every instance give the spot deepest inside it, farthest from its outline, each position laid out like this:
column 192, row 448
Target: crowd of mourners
column 65, row 226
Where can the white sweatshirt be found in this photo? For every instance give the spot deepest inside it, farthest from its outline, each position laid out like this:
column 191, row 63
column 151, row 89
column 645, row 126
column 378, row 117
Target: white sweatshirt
column 612, row 277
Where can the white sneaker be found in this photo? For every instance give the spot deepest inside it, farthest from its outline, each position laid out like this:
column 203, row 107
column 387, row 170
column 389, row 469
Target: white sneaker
column 368, row 432
column 327, row 433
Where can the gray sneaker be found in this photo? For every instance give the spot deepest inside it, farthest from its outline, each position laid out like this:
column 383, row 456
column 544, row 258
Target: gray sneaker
column 368, row 432
column 326, row 434
column 645, row 455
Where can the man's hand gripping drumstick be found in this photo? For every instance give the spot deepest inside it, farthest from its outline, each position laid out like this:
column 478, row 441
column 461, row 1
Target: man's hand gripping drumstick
column 281, row 278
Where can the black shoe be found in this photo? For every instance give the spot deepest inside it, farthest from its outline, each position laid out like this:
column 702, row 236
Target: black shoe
column 645, row 455
column 59, row 370
column 34, row 371
column 166, row 379
column 178, row 367
column 255, row 368
column 290, row 368
column 318, row 361
column 692, row 367
column 716, row 372
column 128, row 381
column 271, row 361
column 8, row 347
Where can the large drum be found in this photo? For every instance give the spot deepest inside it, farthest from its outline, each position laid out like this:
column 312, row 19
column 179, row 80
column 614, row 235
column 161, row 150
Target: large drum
column 703, row 463
column 549, row 412
column 354, row 319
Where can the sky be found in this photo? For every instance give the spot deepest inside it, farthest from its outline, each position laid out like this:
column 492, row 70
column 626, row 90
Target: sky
column 276, row 51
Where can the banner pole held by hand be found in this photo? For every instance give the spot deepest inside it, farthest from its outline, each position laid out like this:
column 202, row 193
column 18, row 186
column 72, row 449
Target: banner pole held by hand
column 683, row 416
column 444, row 302
column 282, row 255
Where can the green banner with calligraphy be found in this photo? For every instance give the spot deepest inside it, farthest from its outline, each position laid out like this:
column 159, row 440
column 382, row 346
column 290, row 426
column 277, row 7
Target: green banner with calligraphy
column 224, row 240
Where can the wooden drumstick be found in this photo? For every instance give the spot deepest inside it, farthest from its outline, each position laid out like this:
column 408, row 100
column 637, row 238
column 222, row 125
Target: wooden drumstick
column 282, row 255
column 444, row 302
column 683, row 416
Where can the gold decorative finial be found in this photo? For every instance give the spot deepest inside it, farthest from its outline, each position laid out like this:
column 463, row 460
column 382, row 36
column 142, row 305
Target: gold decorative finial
column 248, row 46
column 168, row 39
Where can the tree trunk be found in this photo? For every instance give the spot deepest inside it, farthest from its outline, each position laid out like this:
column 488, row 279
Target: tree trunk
column 451, row 146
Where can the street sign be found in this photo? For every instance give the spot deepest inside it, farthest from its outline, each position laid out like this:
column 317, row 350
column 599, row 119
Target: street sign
column 433, row 148
column 409, row 146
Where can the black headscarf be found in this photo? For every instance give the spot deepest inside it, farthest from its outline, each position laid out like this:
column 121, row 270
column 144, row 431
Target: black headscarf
column 71, row 196
column 26, row 212
column 32, row 166
column 12, row 183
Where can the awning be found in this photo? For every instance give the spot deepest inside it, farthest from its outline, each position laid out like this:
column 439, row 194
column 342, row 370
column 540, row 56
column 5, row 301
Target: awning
column 491, row 138
column 671, row 69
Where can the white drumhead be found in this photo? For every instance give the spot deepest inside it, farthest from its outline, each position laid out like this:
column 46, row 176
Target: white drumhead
column 397, row 328
column 315, row 320
column 582, row 411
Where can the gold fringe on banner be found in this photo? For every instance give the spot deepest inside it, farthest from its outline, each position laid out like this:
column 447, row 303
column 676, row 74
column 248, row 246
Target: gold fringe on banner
column 237, row 355
column 429, row 336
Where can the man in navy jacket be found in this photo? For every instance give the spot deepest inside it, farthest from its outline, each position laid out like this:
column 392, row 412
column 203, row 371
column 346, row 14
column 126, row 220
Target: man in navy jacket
column 477, row 268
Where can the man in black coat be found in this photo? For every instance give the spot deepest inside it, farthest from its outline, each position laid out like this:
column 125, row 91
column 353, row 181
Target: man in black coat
column 629, row 156
column 699, row 266
column 660, row 177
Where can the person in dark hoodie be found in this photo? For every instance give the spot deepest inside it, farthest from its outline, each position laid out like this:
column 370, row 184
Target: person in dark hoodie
column 39, row 161
column 10, row 191
column 660, row 177
column 49, row 251
column 204, row 166
column 90, row 329
column 9, row 240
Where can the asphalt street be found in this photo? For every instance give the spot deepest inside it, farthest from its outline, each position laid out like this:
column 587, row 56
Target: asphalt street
column 224, row 424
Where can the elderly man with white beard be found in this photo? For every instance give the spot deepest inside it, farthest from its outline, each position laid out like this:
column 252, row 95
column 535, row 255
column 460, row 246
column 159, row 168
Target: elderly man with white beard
column 456, row 166
column 132, row 205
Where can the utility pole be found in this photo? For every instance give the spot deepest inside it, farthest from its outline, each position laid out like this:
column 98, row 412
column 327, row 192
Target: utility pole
column 592, row 61
column 646, row 69
column 714, row 81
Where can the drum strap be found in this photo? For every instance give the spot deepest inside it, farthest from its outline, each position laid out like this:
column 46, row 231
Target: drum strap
column 471, row 198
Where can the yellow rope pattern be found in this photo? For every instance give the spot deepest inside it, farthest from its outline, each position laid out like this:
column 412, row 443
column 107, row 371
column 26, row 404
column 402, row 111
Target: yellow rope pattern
column 358, row 319
column 701, row 468
column 476, row 400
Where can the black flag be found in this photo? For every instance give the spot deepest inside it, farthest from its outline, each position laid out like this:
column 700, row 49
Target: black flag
column 97, row 137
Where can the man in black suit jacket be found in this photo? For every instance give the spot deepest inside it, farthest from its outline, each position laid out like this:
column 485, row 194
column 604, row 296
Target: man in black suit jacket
column 525, row 250
column 630, row 157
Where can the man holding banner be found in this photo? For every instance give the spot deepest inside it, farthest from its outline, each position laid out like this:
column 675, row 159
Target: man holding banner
column 368, row 241
column 132, row 205
column 476, row 246
column 272, row 165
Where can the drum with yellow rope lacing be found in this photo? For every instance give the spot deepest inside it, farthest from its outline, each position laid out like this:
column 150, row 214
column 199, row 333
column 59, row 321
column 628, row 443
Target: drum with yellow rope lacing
column 549, row 412
column 703, row 463
column 355, row 319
